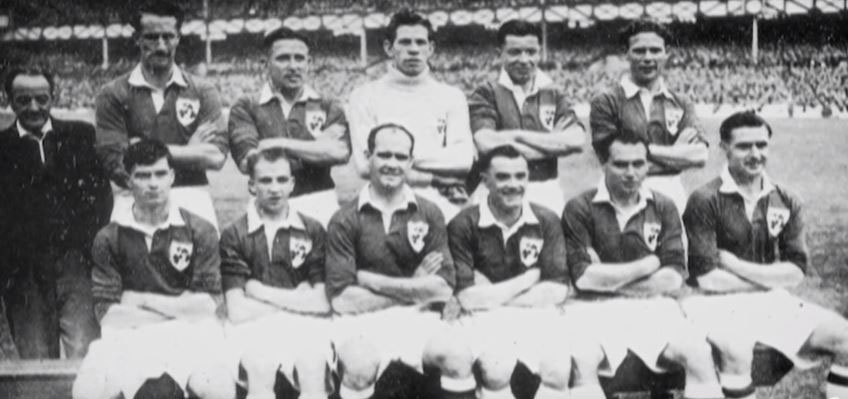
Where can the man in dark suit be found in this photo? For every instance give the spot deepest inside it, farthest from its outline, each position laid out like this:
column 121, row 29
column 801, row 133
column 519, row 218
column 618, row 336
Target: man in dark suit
column 55, row 198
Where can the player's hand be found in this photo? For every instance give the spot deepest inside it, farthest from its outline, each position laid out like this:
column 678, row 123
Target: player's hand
column 134, row 140
column 726, row 258
column 205, row 133
column 252, row 287
column 431, row 264
column 688, row 135
column 266, row 144
column 593, row 256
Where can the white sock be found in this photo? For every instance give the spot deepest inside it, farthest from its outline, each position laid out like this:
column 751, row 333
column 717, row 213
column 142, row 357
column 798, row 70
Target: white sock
column 458, row 384
column 737, row 386
column 350, row 393
column 503, row 393
column 837, row 382
column 546, row 392
column 587, row 392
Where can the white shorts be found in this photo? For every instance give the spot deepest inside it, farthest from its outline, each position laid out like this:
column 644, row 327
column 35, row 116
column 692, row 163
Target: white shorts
column 671, row 186
column 449, row 209
column 547, row 193
column 398, row 333
column 642, row 326
column 320, row 205
column 282, row 338
column 127, row 358
column 527, row 333
column 775, row 318
column 195, row 199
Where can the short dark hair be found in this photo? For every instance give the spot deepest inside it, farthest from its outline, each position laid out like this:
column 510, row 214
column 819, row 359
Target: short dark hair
column 644, row 25
column 506, row 151
column 741, row 119
column 282, row 33
column 157, row 7
column 146, row 152
column 269, row 154
column 29, row 70
column 518, row 27
column 602, row 148
column 372, row 135
column 407, row 17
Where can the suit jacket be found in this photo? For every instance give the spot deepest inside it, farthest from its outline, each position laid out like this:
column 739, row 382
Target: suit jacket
column 56, row 205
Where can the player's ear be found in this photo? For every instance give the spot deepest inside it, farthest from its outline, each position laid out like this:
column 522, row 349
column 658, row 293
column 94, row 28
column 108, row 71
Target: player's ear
column 251, row 186
column 387, row 47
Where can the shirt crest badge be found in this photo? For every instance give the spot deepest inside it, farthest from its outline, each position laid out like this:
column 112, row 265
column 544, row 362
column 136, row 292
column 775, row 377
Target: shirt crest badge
column 673, row 116
column 529, row 249
column 547, row 113
column 415, row 232
column 179, row 254
column 187, row 110
column 651, row 233
column 299, row 249
column 315, row 120
column 776, row 218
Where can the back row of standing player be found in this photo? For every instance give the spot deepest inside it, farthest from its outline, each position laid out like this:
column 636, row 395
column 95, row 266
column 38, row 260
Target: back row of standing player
column 638, row 127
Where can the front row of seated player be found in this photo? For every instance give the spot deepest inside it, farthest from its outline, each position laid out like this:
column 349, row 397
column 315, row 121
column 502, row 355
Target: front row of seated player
column 387, row 258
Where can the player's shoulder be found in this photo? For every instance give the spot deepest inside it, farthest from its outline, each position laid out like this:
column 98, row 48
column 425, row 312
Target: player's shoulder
column 107, row 234
column 428, row 209
column 312, row 225
column 468, row 216
column 118, row 86
column 788, row 195
column 581, row 201
column 237, row 228
column 611, row 92
column 662, row 202
column 544, row 214
column 199, row 226
column 706, row 192
column 346, row 215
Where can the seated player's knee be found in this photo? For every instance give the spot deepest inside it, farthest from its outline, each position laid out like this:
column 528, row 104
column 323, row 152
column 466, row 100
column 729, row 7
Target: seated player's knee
column 261, row 373
column 736, row 355
column 496, row 367
column 359, row 363
column 587, row 358
column 832, row 336
column 555, row 369
column 91, row 384
column 212, row 383
column 311, row 373
column 689, row 350
column 451, row 356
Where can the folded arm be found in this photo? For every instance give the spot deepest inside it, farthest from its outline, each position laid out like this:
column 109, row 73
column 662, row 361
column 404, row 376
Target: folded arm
column 306, row 298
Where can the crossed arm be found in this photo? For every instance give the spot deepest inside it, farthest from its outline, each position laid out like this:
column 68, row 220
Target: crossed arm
column 375, row 291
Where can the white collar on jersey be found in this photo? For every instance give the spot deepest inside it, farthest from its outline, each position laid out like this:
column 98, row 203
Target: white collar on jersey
column 137, row 78
column 268, row 93
column 631, row 89
column 255, row 222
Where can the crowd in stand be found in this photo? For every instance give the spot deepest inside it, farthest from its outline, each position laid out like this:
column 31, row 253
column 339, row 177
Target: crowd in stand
column 803, row 76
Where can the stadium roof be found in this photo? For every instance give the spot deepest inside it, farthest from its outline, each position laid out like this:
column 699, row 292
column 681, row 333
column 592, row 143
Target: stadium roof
column 354, row 16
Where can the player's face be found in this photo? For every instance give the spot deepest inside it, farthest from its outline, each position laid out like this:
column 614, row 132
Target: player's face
column 647, row 55
column 391, row 159
column 31, row 100
column 272, row 183
column 158, row 40
column 151, row 184
column 626, row 168
column 288, row 63
column 410, row 50
column 519, row 56
column 747, row 151
column 506, row 180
